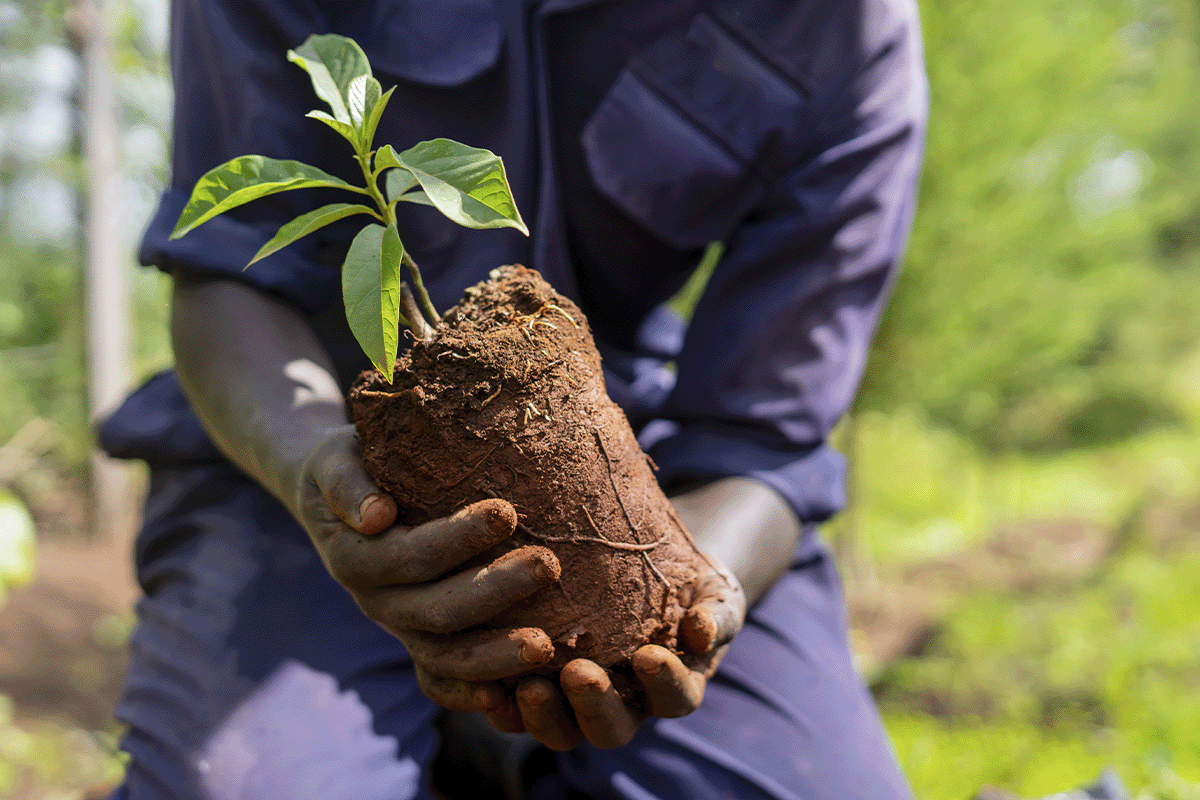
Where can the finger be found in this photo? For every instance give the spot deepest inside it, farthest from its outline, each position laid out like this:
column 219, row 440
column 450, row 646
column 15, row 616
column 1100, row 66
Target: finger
column 343, row 484
column 420, row 554
column 545, row 714
column 716, row 614
column 469, row 598
column 600, row 712
column 505, row 716
column 486, row 655
column 455, row 695
column 672, row 689
column 500, row 709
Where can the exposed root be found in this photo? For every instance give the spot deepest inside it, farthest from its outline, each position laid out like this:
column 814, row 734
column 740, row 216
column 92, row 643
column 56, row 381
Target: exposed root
column 657, row 573
column 492, row 396
column 636, row 548
column 471, row 471
column 529, row 321
column 592, row 522
column 530, row 408
column 621, row 501
column 372, row 393
column 613, row 480
column 552, row 307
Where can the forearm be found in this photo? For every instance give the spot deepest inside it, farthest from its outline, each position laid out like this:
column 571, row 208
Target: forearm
column 747, row 525
column 260, row 381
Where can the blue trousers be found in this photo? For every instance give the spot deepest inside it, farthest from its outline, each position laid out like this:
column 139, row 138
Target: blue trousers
column 254, row 676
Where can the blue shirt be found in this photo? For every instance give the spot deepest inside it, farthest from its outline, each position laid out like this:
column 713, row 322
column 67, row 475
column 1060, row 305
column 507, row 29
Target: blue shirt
column 634, row 133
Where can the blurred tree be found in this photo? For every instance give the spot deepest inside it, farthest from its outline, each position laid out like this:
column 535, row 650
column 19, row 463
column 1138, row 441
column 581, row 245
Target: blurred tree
column 1050, row 287
column 41, row 327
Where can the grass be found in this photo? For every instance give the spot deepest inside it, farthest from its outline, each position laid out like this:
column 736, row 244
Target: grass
column 1036, row 689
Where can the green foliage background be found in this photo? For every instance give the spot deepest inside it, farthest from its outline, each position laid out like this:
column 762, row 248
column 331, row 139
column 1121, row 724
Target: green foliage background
column 1050, row 289
column 1040, row 363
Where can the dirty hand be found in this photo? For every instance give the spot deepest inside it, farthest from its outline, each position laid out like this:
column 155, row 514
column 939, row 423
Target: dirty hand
column 411, row 580
column 586, row 706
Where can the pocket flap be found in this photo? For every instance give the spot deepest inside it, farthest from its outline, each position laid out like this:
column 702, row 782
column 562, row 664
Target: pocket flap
column 443, row 43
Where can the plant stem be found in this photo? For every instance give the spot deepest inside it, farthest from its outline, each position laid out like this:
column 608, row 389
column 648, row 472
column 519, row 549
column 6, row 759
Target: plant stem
column 417, row 323
column 411, row 315
column 427, row 304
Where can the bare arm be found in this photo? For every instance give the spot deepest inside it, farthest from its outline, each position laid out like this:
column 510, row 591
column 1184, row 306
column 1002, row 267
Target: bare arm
column 745, row 524
column 258, row 378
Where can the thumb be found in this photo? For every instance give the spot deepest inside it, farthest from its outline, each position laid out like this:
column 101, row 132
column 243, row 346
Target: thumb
column 717, row 611
column 336, row 467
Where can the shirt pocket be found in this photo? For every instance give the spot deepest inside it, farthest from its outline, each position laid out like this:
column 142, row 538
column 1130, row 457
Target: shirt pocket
column 691, row 133
column 444, row 43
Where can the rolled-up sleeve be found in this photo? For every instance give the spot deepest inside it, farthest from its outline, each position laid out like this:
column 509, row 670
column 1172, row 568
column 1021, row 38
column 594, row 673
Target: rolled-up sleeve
column 779, row 339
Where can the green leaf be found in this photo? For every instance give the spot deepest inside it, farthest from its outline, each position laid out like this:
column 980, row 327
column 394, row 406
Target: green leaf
column 363, row 96
column 17, row 553
column 371, row 289
column 467, row 184
column 344, row 128
column 420, row 198
column 307, row 223
column 372, row 123
column 399, row 180
column 247, row 178
column 332, row 62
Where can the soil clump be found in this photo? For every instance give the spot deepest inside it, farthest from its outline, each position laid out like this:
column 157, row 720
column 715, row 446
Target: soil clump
column 507, row 400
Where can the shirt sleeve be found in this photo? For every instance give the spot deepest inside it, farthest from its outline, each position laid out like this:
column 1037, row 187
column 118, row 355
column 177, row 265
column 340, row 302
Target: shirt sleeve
column 780, row 336
column 237, row 94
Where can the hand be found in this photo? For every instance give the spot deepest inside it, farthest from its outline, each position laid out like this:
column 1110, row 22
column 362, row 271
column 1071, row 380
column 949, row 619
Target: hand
column 588, row 706
column 406, row 580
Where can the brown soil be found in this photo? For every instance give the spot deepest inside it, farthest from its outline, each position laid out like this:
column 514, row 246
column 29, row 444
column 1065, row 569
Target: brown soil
column 508, row 400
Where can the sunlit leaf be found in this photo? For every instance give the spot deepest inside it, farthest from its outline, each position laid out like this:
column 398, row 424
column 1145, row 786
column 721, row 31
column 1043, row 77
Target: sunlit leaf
column 247, row 178
column 398, row 181
column 467, row 184
column 420, row 198
column 371, row 289
column 16, row 543
column 307, row 223
column 364, row 94
column 344, row 128
column 332, row 62
column 372, row 123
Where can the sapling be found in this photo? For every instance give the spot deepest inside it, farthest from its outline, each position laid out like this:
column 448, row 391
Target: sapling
column 503, row 398
column 467, row 184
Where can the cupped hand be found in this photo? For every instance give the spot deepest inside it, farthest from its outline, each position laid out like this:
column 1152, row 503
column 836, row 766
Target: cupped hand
column 411, row 580
column 586, row 706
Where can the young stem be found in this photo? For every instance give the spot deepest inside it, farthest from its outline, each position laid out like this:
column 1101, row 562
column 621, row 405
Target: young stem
column 410, row 312
column 427, row 304
column 417, row 323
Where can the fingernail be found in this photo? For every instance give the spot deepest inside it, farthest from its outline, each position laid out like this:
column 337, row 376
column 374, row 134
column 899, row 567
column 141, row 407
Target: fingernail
column 652, row 669
column 501, row 519
column 487, row 698
column 369, row 505
column 533, row 648
column 544, row 571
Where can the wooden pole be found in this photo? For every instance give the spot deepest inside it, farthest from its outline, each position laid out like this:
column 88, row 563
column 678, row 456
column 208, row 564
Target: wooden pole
column 105, row 266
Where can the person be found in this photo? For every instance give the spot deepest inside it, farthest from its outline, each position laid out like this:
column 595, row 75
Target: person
column 634, row 134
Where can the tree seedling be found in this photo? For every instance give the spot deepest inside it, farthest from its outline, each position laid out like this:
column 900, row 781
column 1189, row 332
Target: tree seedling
column 467, row 184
